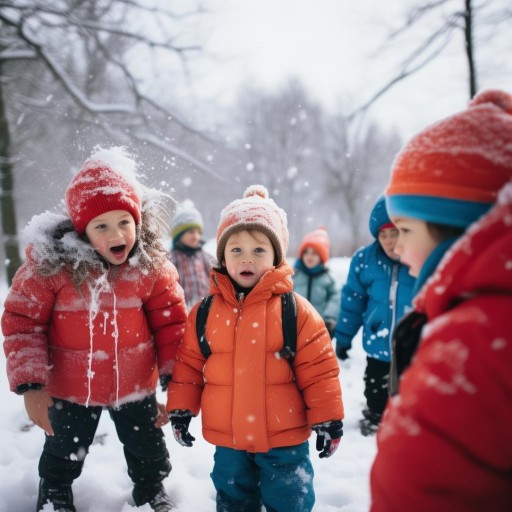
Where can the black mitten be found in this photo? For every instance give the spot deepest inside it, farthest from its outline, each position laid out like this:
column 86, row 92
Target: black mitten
column 341, row 352
column 164, row 381
column 180, row 421
column 328, row 437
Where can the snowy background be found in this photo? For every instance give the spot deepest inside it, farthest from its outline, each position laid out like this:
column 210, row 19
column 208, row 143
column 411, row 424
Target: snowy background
column 341, row 482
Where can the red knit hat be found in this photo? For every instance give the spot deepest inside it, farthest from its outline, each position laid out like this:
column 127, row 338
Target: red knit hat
column 97, row 188
column 450, row 173
column 319, row 241
column 254, row 211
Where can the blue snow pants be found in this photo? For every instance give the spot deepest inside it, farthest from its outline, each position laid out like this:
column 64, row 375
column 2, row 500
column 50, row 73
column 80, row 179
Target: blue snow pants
column 281, row 479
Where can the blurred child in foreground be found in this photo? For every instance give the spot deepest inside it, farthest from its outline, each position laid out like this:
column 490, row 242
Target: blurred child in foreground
column 445, row 440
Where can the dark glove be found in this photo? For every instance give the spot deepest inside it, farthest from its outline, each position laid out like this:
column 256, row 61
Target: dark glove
column 328, row 437
column 341, row 352
column 330, row 324
column 164, row 381
column 180, row 420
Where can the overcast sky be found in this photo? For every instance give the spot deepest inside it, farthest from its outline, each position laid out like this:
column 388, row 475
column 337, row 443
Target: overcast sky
column 338, row 48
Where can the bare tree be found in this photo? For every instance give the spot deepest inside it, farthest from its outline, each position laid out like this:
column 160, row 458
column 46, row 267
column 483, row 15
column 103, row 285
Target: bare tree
column 83, row 51
column 465, row 17
column 356, row 163
column 278, row 145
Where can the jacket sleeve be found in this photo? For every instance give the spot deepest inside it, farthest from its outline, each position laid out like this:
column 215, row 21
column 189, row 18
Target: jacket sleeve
column 316, row 367
column 354, row 301
column 332, row 308
column 453, row 412
column 27, row 313
column 166, row 313
column 186, row 387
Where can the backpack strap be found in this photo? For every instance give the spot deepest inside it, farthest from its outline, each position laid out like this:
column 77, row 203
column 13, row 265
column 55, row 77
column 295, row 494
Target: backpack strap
column 201, row 317
column 289, row 320
column 289, row 305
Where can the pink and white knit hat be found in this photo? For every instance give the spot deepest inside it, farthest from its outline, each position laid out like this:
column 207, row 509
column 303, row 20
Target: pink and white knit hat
column 254, row 211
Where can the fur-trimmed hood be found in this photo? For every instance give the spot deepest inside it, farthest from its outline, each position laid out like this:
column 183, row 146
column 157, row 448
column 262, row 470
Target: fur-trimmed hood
column 54, row 245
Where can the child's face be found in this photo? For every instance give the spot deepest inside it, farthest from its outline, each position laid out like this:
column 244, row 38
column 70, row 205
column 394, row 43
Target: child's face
column 113, row 235
column 310, row 257
column 247, row 256
column 191, row 238
column 415, row 243
column 388, row 238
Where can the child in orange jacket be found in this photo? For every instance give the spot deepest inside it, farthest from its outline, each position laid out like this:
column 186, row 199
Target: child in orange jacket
column 257, row 407
column 92, row 317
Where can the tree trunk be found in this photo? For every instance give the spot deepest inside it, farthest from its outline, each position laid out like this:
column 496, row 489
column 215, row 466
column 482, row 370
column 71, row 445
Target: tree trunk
column 9, row 231
column 468, row 33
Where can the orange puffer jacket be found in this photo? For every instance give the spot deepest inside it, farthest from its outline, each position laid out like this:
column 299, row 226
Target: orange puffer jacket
column 99, row 345
column 249, row 397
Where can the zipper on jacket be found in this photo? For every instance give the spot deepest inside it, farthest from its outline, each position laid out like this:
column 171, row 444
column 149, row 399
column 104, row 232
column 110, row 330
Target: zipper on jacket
column 393, row 291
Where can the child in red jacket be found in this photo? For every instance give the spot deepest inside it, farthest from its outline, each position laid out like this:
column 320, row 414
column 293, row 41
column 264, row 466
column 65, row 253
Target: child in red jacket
column 257, row 407
column 445, row 440
column 92, row 316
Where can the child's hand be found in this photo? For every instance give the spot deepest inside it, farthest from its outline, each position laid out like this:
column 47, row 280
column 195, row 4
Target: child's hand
column 180, row 420
column 162, row 418
column 37, row 403
column 328, row 437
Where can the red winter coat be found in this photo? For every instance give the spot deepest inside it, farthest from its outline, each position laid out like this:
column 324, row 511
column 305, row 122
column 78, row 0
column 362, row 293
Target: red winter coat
column 248, row 396
column 445, row 444
column 55, row 336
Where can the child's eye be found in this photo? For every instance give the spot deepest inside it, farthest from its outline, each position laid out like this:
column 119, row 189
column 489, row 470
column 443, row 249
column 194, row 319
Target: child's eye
column 124, row 222
column 101, row 226
column 259, row 250
column 235, row 249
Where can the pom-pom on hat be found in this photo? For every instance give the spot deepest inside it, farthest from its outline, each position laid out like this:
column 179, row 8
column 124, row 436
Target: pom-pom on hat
column 185, row 217
column 450, row 173
column 104, row 183
column 319, row 241
column 254, row 211
column 379, row 218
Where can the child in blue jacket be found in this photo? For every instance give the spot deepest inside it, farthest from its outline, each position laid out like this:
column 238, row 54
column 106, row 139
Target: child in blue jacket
column 376, row 295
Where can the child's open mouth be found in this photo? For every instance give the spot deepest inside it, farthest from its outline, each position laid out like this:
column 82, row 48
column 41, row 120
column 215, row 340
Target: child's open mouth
column 246, row 273
column 118, row 249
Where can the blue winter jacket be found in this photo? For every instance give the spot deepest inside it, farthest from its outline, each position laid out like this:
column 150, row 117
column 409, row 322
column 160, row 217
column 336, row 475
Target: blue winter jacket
column 378, row 292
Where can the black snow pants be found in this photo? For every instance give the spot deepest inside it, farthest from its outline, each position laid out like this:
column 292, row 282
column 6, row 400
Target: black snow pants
column 376, row 379
column 75, row 426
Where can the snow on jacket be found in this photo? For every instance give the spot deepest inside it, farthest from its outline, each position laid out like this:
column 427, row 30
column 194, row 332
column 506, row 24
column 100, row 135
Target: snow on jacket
column 446, row 440
column 250, row 398
column 100, row 343
column 194, row 270
column 320, row 289
column 378, row 292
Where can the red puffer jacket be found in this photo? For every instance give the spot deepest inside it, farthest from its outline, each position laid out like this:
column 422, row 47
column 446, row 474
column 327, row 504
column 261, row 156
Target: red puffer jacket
column 99, row 345
column 249, row 397
column 445, row 443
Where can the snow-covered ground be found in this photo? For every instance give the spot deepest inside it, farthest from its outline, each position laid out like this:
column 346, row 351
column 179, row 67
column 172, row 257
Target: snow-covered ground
column 341, row 482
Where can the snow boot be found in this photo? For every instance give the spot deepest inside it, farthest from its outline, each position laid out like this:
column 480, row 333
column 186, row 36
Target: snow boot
column 57, row 494
column 154, row 495
column 370, row 423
